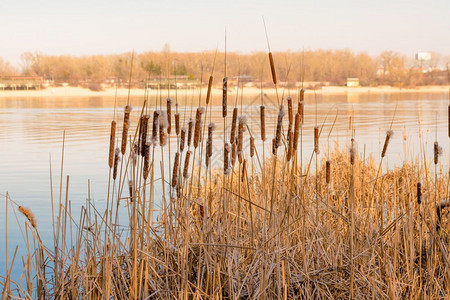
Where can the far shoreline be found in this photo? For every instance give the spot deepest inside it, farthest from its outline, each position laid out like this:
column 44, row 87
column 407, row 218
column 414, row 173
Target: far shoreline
column 123, row 92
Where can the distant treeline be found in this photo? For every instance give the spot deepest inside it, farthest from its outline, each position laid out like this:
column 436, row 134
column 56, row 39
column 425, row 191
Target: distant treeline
column 322, row 66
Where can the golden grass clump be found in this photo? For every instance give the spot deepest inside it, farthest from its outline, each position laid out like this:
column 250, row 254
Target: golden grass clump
column 29, row 215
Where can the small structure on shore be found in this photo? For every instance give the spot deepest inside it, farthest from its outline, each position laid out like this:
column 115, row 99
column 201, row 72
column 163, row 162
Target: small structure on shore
column 20, row 83
column 352, row 82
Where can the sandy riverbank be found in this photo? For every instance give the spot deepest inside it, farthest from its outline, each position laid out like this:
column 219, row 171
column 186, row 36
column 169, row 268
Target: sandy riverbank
column 111, row 92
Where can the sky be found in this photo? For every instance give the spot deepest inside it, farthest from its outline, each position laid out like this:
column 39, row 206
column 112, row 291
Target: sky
column 81, row 27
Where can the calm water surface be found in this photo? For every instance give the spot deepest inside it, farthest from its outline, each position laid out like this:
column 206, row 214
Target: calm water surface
column 32, row 129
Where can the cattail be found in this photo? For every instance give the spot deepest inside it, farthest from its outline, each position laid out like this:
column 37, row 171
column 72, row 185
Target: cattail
column 224, row 96
column 175, row 169
column 263, row 122
column 386, row 142
column 244, row 167
column 290, row 144
column 233, row 153
column 190, row 127
column 177, row 123
column 226, row 161
column 328, row 172
column 169, row 115
column 290, row 112
column 198, row 125
column 112, row 138
column 208, row 93
column 155, row 127
column 29, row 215
column 302, row 95
column 300, row 110
column 296, row 130
column 126, row 125
column 352, row 151
column 241, row 129
column 279, row 125
column 130, row 189
column 274, row 148
column 233, row 126
column 419, row 193
column 208, row 152
column 211, row 128
column 252, row 146
column 182, row 138
column 146, row 160
column 437, row 152
column 163, row 124
column 186, row 164
column 134, row 153
column 316, row 140
column 144, row 127
column 272, row 68
column 116, row 162
column 139, row 141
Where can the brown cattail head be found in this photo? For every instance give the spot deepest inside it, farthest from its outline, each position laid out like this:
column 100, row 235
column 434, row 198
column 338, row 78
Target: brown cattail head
column 252, row 146
column 302, row 95
column 272, row 68
column 126, row 125
column 163, row 124
column 352, row 151
column 144, row 128
column 134, row 154
column 279, row 125
column 386, row 142
column 112, row 138
column 146, row 160
column 328, row 172
column 296, row 130
column 182, row 139
column 198, row 125
column 300, row 110
column 175, row 169
column 208, row 93
column 290, row 144
column 437, row 152
column 29, row 215
column 263, row 122
column 290, row 112
column 177, row 123
column 316, row 140
column 244, row 168
column 226, row 159
column 155, row 127
column 190, row 129
column 241, row 129
column 186, row 164
column 419, row 193
column 224, row 96
column 274, row 149
column 130, row 189
column 116, row 162
column 169, row 115
column 233, row 126
column 209, row 142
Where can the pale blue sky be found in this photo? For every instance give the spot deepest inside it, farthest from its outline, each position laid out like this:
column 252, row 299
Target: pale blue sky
column 104, row 27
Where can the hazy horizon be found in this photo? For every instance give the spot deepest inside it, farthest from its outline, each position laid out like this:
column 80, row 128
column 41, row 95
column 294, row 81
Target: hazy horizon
column 110, row 27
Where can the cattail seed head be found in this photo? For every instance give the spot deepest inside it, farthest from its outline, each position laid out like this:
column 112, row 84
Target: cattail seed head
column 182, row 139
column 300, row 110
column 190, row 129
column 208, row 152
column 272, row 68
column 290, row 112
column 233, row 126
column 296, row 130
column 163, row 124
column 279, row 125
column 263, row 122
column 116, row 162
column 419, row 193
column 328, row 172
column 226, row 157
column 155, row 127
column 437, row 152
column 198, row 125
column 112, row 138
column 274, row 148
column 352, row 151
column 177, row 123
column 244, row 167
column 146, row 169
column 169, row 115
column 224, row 96
column 29, row 215
column 290, row 144
column 130, row 189
column 252, row 146
column 126, row 125
column 316, row 140
column 175, row 169
column 386, row 142
column 186, row 164
column 241, row 129
column 144, row 133
column 208, row 93
column 302, row 95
